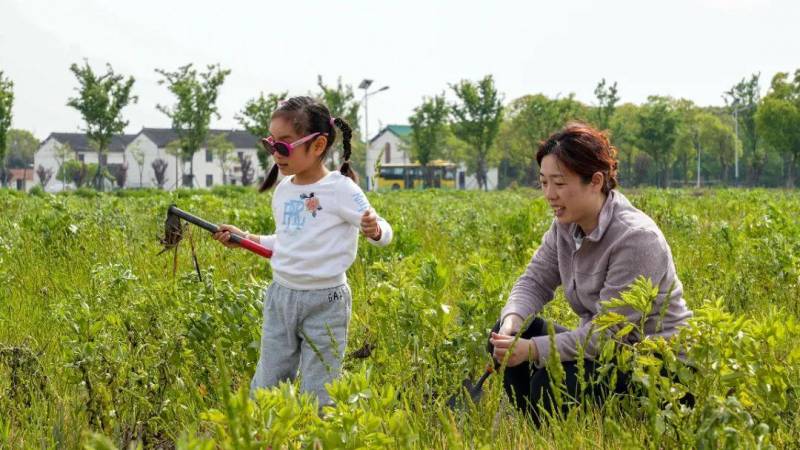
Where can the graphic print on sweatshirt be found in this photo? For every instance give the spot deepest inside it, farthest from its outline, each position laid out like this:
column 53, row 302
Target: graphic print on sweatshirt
column 295, row 212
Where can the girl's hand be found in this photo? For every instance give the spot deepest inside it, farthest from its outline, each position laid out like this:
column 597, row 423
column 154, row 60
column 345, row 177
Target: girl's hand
column 369, row 225
column 524, row 349
column 224, row 235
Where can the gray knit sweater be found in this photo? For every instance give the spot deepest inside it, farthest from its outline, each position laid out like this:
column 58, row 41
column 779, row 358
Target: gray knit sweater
column 625, row 245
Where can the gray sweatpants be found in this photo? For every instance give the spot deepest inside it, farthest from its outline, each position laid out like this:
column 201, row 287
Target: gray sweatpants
column 305, row 330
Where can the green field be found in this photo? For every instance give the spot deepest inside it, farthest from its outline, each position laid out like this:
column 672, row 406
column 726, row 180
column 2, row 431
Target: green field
column 101, row 346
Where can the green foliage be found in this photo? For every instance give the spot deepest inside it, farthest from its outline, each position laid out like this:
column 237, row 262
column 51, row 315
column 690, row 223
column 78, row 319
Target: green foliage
column 607, row 99
column 196, row 104
column 256, row 116
column 530, row 120
column 658, row 126
column 21, row 145
column 778, row 121
column 6, row 104
column 428, row 132
column 745, row 96
column 476, row 118
column 100, row 100
column 222, row 149
column 100, row 346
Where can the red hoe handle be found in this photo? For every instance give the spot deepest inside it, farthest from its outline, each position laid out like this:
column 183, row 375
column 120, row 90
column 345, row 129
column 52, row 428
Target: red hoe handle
column 254, row 247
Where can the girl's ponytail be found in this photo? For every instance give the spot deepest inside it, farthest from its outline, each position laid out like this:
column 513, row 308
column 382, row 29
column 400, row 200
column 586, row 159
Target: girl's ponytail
column 347, row 134
column 269, row 182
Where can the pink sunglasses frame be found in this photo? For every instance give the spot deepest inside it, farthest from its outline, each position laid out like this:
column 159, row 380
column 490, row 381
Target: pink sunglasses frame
column 271, row 145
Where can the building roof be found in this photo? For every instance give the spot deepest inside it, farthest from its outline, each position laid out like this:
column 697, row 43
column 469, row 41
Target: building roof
column 80, row 143
column 163, row 136
column 400, row 131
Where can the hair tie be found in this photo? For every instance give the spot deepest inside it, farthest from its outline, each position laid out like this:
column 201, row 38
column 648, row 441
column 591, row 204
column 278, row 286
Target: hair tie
column 333, row 121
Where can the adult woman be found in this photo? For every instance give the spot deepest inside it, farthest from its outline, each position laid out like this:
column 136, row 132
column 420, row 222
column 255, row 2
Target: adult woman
column 596, row 247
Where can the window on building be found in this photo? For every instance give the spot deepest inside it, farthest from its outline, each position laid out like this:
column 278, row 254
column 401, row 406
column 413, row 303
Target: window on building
column 209, row 155
column 209, row 180
column 81, row 156
column 387, row 153
column 20, row 184
column 240, row 155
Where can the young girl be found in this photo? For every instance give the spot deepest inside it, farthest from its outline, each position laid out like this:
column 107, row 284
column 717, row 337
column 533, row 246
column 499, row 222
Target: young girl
column 317, row 214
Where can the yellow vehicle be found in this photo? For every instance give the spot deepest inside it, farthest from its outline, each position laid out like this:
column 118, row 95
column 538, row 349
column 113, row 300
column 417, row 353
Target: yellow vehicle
column 412, row 175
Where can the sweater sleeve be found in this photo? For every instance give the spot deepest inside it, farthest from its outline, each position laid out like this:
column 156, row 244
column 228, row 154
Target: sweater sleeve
column 351, row 204
column 639, row 253
column 536, row 287
column 268, row 241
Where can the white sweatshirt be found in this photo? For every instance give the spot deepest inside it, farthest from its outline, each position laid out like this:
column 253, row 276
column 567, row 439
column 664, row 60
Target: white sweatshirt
column 316, row 231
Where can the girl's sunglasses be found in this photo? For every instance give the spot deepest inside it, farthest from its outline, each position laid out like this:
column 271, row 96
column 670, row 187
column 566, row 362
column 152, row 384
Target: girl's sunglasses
column 285, row 148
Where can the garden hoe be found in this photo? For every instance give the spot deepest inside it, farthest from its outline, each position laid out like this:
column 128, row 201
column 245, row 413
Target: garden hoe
column 174, row 232
column 474, row 390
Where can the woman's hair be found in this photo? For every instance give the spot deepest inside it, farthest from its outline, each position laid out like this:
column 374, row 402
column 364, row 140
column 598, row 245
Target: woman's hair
column 583, row 150
column 309, row 116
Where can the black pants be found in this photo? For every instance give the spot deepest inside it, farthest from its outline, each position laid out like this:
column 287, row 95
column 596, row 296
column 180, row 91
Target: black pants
column 529, row 388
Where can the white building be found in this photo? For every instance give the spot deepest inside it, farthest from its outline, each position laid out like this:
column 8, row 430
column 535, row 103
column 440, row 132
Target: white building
column 47, row 155
column 151, row 144
column 391, row 146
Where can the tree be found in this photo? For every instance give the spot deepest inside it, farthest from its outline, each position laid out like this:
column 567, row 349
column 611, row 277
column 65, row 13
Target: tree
column 716, row 138
column 62, row 152
column 532, row 119
column 6, row 103
column 78, row 172
column 246, row 164
column 778, row 121
column 120, row 173
column 624, row 129
column 100, row 101
column 744, row 96
column 220, row 147
column 44, row 175
column 341, row 102
column 196, row 103
column 137, row 152
column 476, row 120
column 256, row 116
column 175, row 148
column 686, row 144
column 21, row 145
column 428, row 132
column 658, row 127
column 160, row 172
column 607, row 99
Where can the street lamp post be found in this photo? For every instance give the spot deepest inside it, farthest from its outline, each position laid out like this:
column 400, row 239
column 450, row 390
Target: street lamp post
column 365, row 84
column 736, row 132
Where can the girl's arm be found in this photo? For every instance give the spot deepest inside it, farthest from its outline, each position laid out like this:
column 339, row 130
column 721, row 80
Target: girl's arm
column 267, row 240
column 353, row 206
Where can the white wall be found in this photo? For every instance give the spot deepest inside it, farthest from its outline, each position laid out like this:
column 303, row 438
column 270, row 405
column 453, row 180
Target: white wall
column 45, row 156
column 202, row 168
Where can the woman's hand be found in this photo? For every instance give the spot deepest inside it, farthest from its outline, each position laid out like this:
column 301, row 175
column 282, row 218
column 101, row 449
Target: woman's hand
column 511, row 325
column 369, row 225
column 223, row 235
column 523, row 349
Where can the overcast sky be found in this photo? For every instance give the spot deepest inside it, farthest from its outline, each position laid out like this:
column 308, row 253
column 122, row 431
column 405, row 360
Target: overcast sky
column 694, row 49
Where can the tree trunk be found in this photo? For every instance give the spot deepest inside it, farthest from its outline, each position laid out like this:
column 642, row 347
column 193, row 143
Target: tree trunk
column 98, row 182
column 790, row 171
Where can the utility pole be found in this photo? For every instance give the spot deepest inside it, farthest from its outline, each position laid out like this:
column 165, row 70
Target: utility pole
column 365, row 84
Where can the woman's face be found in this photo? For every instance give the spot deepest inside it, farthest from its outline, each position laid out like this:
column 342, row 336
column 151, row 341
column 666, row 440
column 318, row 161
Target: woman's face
column 572, row 200
column 303, row 156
